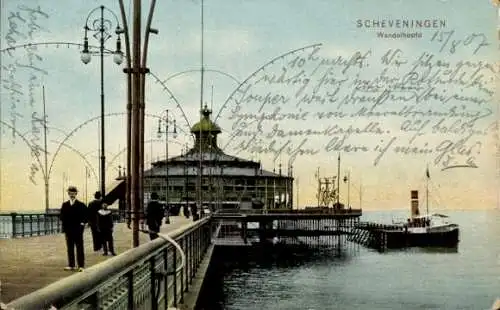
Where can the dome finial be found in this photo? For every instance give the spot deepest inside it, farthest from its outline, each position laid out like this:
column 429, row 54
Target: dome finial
column 206, row 112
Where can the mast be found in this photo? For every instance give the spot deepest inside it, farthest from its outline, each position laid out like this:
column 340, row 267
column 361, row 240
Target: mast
column 45, row 170
column 427, row 189
column 267, row 197
column 338, row 183
column 319, row 185
column 297, row 203
column 360, row 192
column 86, row 179
column 349, row 188
column 274, row 186
column 200, row 171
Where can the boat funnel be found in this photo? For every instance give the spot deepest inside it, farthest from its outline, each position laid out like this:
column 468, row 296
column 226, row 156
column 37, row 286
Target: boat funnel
column 414, row 204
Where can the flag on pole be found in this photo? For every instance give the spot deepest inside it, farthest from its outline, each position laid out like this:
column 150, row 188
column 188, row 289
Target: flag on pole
column 427, row 173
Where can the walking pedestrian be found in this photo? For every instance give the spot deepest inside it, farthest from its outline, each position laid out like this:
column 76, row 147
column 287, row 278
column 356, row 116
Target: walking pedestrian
column 105, row 225
column 154, row 215
column 94, row 207
column 166, row 212
column 73, row 218
column 185, row 210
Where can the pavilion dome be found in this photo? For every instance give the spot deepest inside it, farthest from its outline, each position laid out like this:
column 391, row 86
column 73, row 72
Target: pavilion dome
column 206, row 124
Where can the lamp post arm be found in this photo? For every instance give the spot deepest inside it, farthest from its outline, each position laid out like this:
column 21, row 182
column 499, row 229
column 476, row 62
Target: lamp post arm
column 127, row 40
column 147, row 32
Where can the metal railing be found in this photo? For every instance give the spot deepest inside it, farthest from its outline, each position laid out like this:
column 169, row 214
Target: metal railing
column 329, row 211
column 18, row 225
column 146, row 277
column 14, row 225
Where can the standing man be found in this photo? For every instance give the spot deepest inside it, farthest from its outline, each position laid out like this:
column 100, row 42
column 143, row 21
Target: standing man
column 73, row 218
column 154, row 215
column 194, row 211
column 94, row 207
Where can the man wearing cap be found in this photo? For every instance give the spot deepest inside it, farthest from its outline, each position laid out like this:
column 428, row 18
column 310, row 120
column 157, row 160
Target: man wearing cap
column 73, row 219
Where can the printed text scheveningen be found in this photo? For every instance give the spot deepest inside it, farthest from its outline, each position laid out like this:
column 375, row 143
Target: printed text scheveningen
column 400, row 23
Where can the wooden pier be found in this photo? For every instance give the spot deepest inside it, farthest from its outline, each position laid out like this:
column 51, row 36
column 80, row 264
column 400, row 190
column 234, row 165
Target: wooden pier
column 375, row 235
column 318, row 227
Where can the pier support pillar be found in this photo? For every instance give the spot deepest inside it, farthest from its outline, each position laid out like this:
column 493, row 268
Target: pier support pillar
column 264, row 227
column 244, row 231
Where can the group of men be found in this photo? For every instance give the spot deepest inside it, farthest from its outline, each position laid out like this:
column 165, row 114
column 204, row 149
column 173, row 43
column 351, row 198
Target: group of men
column 74, row 216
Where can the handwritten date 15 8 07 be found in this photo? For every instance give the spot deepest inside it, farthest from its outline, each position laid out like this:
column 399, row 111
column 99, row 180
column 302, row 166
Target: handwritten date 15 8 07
column 475, row 40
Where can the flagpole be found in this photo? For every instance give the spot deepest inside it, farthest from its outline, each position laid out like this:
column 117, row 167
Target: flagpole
column 86, row 177
column 360, row 193
column 427, row 190
column 338, row 183
column 297, row 203
column 319, row 185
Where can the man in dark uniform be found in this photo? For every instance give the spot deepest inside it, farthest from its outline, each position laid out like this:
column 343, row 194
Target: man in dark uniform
column 154, row 215
column 94, row 207
column 194, row 211
column 73, row 218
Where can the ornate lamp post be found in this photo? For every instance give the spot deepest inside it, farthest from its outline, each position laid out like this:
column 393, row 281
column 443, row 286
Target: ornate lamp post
column 166, row 120
column 136, row 60
column 101, row 27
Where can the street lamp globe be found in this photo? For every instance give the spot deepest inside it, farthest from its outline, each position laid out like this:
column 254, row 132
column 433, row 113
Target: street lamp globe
column 118, row 58
column 85, row 57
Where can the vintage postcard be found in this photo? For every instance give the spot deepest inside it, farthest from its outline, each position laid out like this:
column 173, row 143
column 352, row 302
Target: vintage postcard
column 389, row 108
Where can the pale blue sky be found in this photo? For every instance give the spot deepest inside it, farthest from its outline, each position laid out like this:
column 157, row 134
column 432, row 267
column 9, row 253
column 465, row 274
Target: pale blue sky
column 240, row 36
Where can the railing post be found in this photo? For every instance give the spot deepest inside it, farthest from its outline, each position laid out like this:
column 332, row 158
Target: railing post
column 187, row 250
column 183, row 273
column 174, row 261
column 130, row 290
column 31, row 225
column 13, row 215
column 198, row 247
column 22, row 224
column 244, row 226
column 152, row 271
column 165, row 277
column 51, row 221
column 196, row 252
column 193, row 257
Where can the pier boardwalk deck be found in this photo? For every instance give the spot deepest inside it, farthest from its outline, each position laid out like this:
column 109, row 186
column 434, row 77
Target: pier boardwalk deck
column 28, row 264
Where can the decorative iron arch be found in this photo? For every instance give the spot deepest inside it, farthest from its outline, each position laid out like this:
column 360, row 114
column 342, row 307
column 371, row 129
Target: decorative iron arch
column 157, row 79
column 271, row 62
column 120, row 152
column 79, row 154
column 88, row 121
column 44, row 173
column 205, row 70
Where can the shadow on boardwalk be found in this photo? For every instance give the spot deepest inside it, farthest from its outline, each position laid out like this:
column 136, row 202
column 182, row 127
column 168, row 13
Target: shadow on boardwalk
column 28, row 264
